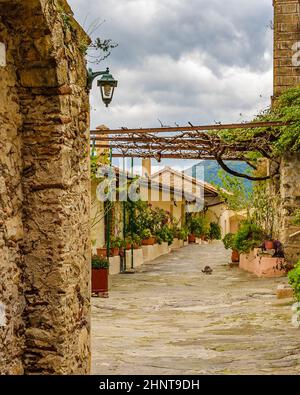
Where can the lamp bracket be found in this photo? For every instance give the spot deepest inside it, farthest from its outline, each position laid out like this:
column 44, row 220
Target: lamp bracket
column 92, row 75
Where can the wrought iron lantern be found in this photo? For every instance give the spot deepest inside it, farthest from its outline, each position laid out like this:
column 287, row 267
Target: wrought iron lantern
column 107, row 84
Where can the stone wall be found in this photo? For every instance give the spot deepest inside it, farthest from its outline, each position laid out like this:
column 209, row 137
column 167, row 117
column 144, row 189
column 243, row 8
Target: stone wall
column 290, row 194
column 11, row 228
column 286, row 37
column 45, row 191
column 287, row 75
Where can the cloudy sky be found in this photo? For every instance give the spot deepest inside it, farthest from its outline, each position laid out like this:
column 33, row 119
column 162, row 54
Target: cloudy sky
column 183, row 60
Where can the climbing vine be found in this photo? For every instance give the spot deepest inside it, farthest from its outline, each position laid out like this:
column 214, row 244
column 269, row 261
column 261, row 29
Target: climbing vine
column 273, row 140
column 265, row 142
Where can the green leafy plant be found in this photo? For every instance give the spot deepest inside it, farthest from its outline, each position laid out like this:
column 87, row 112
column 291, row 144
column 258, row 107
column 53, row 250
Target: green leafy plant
column 215, row 231
column 165, row 234
column 197, row 226
column 282, row 139
column 294, row 280
column 134, row 240
column 116, row 242
column 145, row 234
column 229, row 241
column 265, row 205
column 248, row 237
column 182, row 234
column 234, row 192
column 99, row 263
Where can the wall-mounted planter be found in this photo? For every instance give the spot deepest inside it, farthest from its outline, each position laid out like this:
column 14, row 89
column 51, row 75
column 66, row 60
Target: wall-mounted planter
column 261, row 265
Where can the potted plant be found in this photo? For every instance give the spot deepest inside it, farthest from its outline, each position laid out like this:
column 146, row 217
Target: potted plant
column 229, row 243
column 100, row 268
column 165, row 234
column 197, row 228
column 136, row 242
column 192, row 238
column 147, row 238
column 102, row 252
column 269, row 243
column 128, row 243
column 115, row 245
column 248, row 237
column 183, row 234
column 214, row 232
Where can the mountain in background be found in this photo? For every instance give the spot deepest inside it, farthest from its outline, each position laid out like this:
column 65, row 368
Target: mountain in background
column 210, row 169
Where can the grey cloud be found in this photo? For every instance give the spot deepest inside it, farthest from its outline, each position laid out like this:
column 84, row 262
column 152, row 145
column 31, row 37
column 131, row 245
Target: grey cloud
column 229, row 32
column 181, row 60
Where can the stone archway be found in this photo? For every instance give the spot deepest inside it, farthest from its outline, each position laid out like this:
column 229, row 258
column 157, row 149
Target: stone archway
column 44, row 191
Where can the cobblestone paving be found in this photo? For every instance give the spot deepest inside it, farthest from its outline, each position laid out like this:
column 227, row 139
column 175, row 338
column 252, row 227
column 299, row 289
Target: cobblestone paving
column 170, row 318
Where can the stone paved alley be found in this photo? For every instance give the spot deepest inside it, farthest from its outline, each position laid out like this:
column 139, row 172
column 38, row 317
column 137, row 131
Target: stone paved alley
column 170, row 318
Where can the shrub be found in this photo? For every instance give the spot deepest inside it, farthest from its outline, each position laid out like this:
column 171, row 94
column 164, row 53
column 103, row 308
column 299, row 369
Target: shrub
column 99, row 263
column 116, row 242
column 183, row 234
column 145, row 234
column 197, row 226
column 165, row 234
column 248, row 237
column 229, row 241
column 294, row 280
column 214, row 231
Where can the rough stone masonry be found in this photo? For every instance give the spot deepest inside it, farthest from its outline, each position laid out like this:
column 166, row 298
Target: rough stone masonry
column 287, row 75
column 44, row 190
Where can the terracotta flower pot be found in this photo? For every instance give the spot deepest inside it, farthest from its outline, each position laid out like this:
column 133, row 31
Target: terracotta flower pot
column 148, row 242
column 102, row 252
column 269, row 245
column 100, row 281
column 192, row 238
column 128, row 246
column 235, row 256
column 114, row 251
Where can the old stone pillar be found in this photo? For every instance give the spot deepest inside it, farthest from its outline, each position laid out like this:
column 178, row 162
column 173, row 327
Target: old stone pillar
column 287, row 75
column 45, row 191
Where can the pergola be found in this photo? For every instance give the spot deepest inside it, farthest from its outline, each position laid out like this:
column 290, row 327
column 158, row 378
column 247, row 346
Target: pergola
column 186, row 142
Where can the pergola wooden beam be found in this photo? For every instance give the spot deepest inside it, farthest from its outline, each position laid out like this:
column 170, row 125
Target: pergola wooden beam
column 249, row 125
column 173, row 156
column 169, row 148
column 147, row 139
